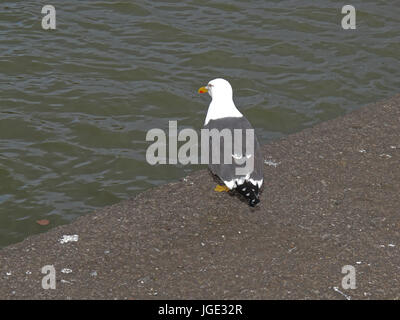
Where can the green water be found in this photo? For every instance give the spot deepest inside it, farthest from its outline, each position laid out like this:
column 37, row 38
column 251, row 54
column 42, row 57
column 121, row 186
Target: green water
column 76, row 102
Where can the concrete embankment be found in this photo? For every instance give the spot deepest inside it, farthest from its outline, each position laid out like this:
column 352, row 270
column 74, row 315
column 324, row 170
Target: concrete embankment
column 331, row 199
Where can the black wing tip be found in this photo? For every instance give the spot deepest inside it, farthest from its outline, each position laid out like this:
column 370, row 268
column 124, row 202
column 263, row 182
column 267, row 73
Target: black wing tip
column 250, row 192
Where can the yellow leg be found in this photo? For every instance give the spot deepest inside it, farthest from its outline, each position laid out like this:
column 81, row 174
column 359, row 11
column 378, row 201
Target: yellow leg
column 220, row 188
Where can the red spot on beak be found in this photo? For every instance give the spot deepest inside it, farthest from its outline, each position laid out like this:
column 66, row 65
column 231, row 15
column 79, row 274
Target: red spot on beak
column 202, row 90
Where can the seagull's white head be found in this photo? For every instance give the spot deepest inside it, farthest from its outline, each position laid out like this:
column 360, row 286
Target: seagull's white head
column 222, row 105
column 218, row 89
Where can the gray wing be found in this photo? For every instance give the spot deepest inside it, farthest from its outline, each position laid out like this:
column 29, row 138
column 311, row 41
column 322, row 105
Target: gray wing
column 232, row 173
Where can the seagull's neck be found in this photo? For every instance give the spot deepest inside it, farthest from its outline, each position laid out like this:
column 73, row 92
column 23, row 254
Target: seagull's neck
column 222, row 108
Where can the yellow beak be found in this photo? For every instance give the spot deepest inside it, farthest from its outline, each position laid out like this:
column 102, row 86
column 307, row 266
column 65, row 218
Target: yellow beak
column 203, row 90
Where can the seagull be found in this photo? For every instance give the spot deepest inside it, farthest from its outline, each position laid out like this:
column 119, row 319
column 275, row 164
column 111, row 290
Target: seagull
column 222, row 114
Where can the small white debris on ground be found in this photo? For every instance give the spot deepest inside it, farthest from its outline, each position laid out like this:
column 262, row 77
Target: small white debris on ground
column 28, row 272
column 343, row 294
column 186, row 179
column 154, row 293
column 384, row 155
column 93, row 273
column 69, row 238
column 143, row 280
column 362, row 150
column 389, row 245
column 8, row 273
column 65, row 281
column 66, row 270
column 272, row 163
